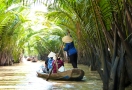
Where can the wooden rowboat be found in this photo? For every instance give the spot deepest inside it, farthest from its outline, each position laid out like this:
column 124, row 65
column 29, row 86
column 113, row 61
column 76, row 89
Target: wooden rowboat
column 29, row 59
column 73, row 74
column 34, row 60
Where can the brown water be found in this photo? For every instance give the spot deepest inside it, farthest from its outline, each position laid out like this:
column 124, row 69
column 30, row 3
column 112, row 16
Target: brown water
column 23, row 76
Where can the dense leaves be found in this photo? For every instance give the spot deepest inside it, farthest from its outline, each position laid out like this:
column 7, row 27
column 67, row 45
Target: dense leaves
column 101, row 30
column 21, row 33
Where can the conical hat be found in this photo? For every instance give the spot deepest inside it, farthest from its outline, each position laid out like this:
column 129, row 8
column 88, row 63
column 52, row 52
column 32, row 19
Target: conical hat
column 51, row 54
column 67, row 39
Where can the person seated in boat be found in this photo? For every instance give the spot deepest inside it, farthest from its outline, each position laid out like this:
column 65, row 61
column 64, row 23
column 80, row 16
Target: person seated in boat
column 45, row 66
column 50, row 60
column 57, row 64
column 48, row 63
column 33, row 58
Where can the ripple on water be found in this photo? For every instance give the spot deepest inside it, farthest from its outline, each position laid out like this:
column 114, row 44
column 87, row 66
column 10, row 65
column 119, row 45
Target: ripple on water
column 68, row 86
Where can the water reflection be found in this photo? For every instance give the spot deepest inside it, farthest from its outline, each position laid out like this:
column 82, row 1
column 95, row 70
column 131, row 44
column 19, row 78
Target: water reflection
column 23, row 77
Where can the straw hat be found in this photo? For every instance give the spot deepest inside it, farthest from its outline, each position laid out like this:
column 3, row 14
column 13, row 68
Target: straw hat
column 51, row 54
column 67, row 39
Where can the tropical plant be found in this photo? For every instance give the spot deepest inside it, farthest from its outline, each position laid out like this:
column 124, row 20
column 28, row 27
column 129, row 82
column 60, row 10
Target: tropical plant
column 103, row 29
column 10, row 31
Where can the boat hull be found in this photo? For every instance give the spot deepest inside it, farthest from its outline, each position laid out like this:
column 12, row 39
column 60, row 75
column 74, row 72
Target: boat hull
column 73, row 74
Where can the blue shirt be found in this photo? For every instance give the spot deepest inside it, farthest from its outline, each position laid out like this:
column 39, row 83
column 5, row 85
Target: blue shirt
column 50, row 63
column 69, row 47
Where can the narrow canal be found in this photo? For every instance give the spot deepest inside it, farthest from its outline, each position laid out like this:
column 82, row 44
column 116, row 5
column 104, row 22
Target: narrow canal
column 23, row 76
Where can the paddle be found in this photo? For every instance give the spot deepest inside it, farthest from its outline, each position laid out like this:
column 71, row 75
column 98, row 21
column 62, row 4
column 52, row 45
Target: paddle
column 54, row 64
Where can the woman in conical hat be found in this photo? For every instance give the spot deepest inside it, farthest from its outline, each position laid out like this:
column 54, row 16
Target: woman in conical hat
column 70, row 49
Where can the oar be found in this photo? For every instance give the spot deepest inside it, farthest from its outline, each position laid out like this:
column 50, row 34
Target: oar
column 54, row 64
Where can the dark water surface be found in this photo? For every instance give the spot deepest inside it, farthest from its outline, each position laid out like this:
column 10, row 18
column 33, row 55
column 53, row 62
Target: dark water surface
column 23, row 76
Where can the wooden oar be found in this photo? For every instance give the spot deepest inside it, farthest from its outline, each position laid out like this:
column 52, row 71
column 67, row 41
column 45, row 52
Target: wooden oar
column 54, row 64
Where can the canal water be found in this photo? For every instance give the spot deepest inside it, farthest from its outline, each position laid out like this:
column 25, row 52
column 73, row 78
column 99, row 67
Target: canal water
column 22, row 76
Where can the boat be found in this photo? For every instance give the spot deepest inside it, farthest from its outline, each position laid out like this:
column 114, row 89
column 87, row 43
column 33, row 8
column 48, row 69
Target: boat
column 29, row 59
column 72, row 74
column 34, row 60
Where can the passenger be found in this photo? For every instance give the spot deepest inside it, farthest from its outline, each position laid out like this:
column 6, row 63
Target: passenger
column 57, row 64
column 45, row 67
column 46, row 64
column 50, row 60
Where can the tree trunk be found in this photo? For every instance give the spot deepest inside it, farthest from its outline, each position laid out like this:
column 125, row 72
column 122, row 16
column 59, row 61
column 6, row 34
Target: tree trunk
column 113, row 75
column 79, row 40
column 105, row 71
column 5, row 58
column 93, row 62
column 121, row 70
